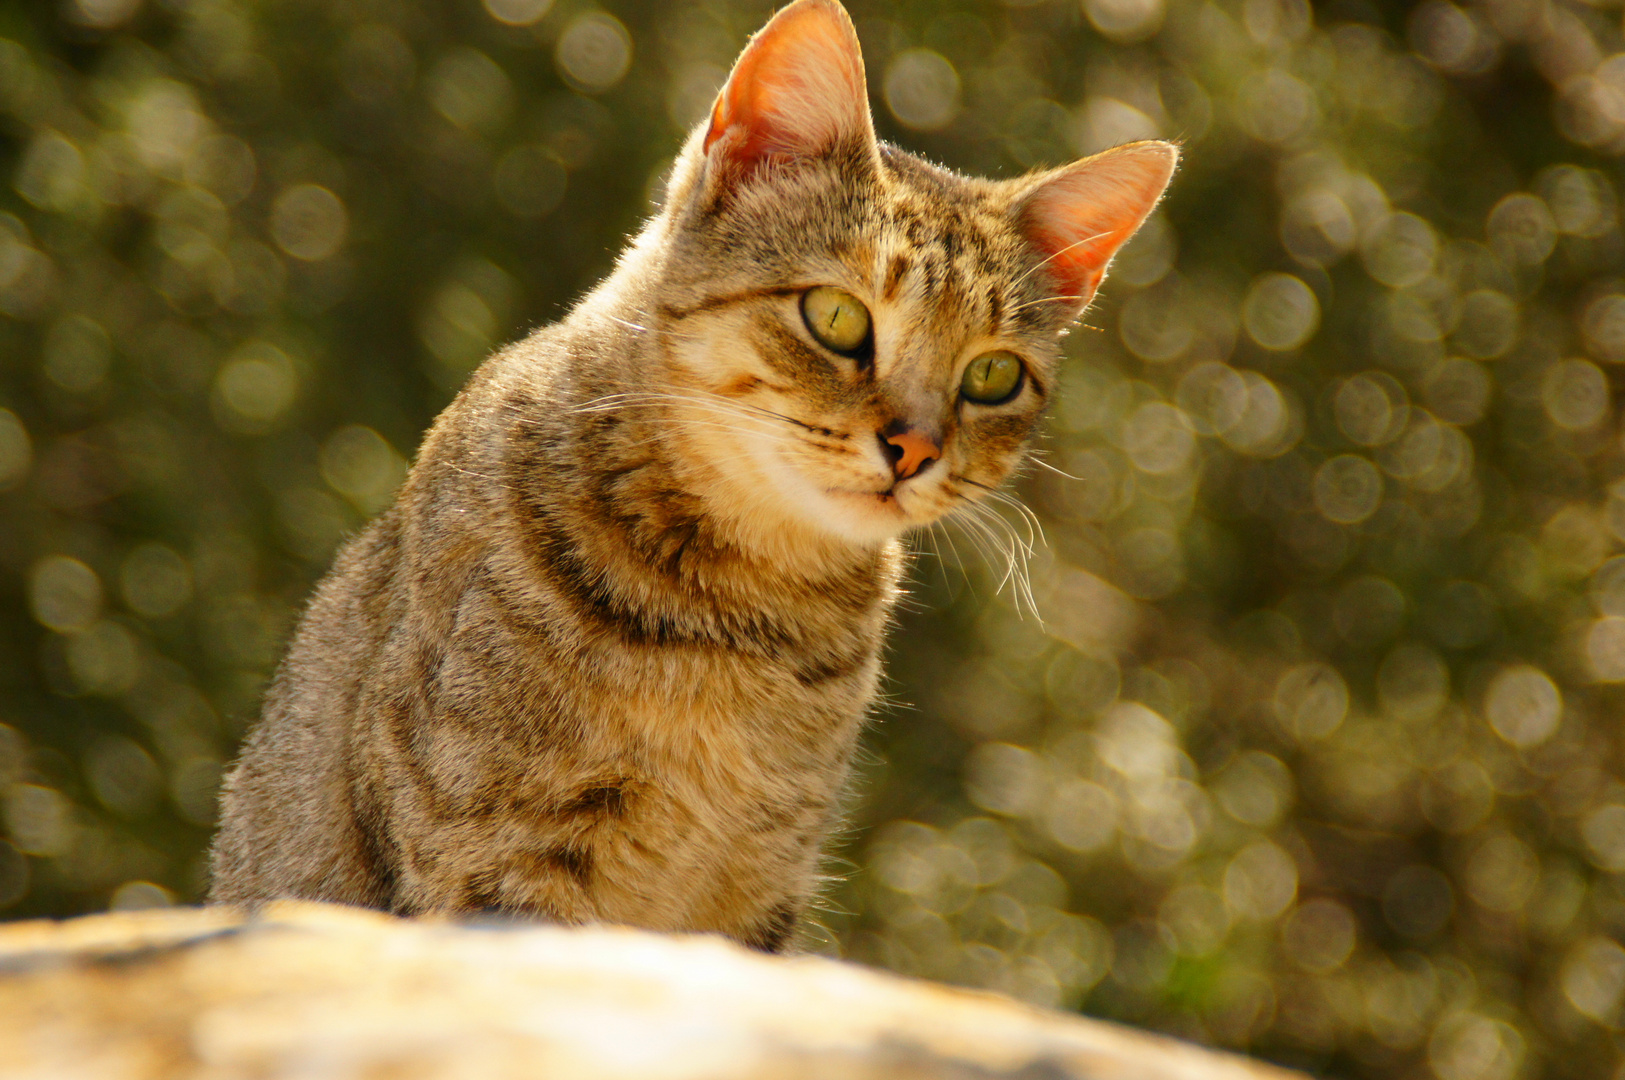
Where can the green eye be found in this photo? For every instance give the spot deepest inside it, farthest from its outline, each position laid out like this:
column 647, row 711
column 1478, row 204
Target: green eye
column 836, row 318
column 991, row 378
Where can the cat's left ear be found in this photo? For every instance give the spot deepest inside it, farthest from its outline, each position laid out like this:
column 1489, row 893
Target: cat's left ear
column 1079, row 215
column 796, row 92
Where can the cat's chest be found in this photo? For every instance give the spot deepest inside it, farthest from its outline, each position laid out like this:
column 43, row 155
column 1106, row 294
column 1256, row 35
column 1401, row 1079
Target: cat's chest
column 728, row 729
column 730, row 746
column 733, row 799
column 741, row 722
column 761, row 680
column 688, row 775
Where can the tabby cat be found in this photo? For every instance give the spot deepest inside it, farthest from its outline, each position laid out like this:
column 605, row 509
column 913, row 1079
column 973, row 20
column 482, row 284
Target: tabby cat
column 607, row 657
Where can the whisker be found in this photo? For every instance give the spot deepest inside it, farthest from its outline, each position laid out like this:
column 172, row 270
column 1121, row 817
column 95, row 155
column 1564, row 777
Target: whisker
column 489, row 478
column 778, row 435
column 1044, row 300
column 664, row 331
column 616, row 402
column 1058, row 472
column 981, row 538
column 1056, row 255
column 620, row 406
column 928, row 536
column 1010, row 545
column 938, row 532
column 710, row 406
column 1021, row 582
column 630, row 324
column 918, row 542
column 1034, row 527
column 1017, row 553
column 958, row 558
column 917, row 550
column 741, row 408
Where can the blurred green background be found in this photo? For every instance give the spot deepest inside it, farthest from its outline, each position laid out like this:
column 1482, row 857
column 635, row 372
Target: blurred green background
column 1315, row 749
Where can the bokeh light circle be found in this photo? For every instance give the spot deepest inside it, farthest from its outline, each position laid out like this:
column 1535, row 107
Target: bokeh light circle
column 922, row 89
column 595, row 52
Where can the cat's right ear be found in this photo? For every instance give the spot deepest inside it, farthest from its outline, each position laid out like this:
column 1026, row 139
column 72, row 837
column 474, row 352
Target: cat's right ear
column 797, row 92
column 1078, row 216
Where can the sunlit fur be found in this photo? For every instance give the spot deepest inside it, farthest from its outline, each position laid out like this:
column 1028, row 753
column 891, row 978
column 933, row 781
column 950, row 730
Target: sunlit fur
column 608, row 656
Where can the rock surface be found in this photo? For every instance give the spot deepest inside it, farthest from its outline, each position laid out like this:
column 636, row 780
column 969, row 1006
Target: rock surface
column 312, row 991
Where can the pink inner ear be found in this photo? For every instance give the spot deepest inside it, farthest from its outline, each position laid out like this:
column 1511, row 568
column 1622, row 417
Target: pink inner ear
column 796, row 90
column 1079, row 249
column 1080, row 217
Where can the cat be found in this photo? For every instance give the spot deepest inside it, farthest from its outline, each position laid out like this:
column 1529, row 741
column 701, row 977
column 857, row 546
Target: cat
column 608, row 655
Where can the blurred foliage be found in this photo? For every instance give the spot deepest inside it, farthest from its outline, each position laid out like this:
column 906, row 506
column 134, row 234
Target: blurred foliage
column 1311, row 743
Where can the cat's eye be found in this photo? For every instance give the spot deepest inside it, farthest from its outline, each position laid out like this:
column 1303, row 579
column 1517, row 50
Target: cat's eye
column 836, row 318
column 991, row 378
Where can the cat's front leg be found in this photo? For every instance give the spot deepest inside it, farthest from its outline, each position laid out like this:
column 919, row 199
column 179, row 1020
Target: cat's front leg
column 541, row 854
column 462, row 873
column 774, row 931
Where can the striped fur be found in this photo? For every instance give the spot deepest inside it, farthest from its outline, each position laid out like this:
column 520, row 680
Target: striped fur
column 608, row 656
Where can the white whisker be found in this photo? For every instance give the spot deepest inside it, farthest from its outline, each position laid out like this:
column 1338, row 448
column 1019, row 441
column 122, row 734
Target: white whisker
column 980, row 536
column 1056, row 255
column 984, row 522
column 612, row 402
column 959, row 559
column 1058, row 472
column 1009, row 545
column 1045, row 300
column 664, row 331
column 1034, row 527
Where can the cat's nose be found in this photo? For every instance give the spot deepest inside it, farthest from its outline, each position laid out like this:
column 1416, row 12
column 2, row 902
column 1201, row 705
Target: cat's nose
column 909, row 452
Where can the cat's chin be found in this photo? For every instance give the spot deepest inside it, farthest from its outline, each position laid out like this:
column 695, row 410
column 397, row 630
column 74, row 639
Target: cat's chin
column 807, row 498
column 864, row 517
column 848, row 514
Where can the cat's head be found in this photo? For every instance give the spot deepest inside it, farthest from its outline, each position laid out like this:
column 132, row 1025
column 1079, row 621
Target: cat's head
column 859, row 340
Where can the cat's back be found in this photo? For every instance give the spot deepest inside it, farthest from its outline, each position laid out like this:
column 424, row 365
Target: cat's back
column 295, row 816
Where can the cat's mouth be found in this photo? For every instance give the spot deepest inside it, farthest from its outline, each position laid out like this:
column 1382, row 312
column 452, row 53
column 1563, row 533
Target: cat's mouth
column 881, row 495
column 886, row 500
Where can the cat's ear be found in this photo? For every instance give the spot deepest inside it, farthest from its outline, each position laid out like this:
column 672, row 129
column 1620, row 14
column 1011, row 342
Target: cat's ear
column 1079, row 215
column 797, row 91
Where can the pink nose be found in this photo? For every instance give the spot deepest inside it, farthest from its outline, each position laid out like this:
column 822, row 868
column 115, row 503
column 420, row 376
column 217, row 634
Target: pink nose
column 911, row 453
